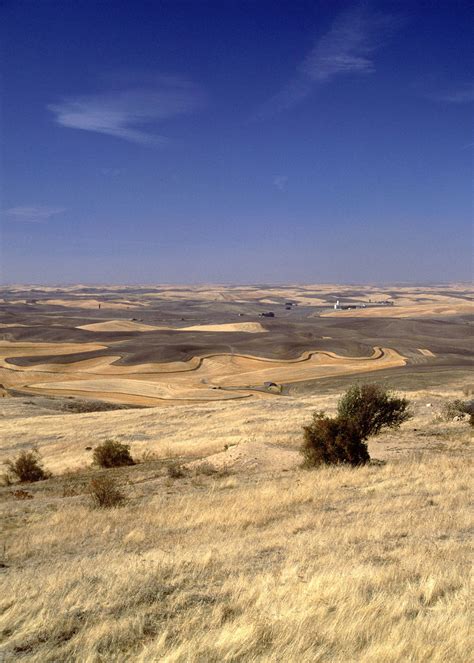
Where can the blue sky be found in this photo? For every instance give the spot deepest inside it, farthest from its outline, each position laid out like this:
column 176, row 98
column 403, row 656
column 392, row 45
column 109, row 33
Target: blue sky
column 236, row 142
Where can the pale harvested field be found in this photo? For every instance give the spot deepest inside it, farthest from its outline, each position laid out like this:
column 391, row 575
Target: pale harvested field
column 308, row 295
column 260, row 562
column 426, row 353
column 248, row 327
column 204, row 378
column 11, row 324
column 118, row 326
column 130, row 325
column 90, row 303
column 411, row 311
column 26, row 349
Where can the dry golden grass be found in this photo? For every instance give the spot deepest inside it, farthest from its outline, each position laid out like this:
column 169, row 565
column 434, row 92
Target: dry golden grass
column 192, row 431
column 335, row 565
column 201, row 430
column 332, row 565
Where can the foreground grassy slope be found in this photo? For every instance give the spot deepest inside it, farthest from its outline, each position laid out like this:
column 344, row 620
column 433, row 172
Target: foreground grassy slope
column 335, row 565
column 202, row 430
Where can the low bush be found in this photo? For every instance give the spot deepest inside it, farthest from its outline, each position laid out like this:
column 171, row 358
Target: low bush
column 22, row 495
column 371, row 408
column 458, row 409
column 208, row 469
column 363, row 411
column 205, row 468
column 112, row 454
column 330, row 441
column 175, row 470
column 106, row 493
column 26, row 468
column 72, row 489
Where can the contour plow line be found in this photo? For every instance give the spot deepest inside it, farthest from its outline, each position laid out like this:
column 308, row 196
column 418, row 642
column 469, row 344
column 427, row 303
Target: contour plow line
column 108, row 364
column 200, row 378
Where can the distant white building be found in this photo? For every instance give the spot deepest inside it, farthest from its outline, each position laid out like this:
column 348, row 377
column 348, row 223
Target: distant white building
column 337, row 305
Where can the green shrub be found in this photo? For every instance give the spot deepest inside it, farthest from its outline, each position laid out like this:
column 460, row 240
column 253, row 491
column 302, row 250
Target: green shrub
column 371, row 408
column 330, row 441
column 363, row 411
column 105, row 493
column 26, row 468
column 112, row 454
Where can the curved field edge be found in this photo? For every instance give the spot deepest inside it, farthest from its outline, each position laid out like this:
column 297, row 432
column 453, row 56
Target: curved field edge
column 215, row 376
column 192, row 364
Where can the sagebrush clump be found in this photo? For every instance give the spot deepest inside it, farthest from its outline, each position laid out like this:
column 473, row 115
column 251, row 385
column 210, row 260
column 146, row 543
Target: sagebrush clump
column 175, row 471
column 458, row 409
column 371, row 408
column 26, row 468
column 363, row 411
column 105, row 493
column 112, row 454
column 333, row 440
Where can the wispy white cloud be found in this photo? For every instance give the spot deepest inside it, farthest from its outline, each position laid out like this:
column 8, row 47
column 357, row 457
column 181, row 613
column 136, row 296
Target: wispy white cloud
column 130, row 111
column 281, row 182
column 347, row 48
column 33, row 213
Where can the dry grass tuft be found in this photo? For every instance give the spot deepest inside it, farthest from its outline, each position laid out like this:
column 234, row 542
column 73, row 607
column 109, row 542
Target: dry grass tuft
column 106, row 493
column 21, row 495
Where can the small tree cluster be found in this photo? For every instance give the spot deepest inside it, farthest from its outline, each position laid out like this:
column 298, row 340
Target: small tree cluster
column 362, row 412
column 112, row 454
column 26, row 468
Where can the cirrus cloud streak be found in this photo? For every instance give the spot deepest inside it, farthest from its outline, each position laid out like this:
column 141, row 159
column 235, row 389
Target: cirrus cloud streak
column 347, row 48
column 131, row 112
column 33, row 213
